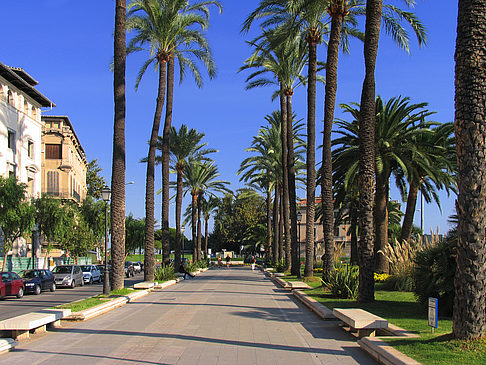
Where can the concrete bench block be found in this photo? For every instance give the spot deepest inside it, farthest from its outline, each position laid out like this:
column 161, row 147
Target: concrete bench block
column 144, row 285
column 279, row 274
column 298, row 285
column 33, row 320
column 7, row 344
column 366, row 323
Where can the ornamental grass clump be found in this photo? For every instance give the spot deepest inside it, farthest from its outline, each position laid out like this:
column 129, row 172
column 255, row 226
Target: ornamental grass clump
column 165, row 273
column 343, row 283
column 280, row 265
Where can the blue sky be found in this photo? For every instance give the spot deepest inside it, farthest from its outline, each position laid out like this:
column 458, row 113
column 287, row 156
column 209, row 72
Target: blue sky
column 67, row 46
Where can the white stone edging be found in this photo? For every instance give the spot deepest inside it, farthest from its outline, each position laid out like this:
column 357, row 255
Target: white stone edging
column 384, row 353
column 6, row 344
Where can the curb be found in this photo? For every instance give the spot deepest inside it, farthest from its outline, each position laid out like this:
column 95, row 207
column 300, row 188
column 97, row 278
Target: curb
column 316, row 307
column 6, row 344
column 384, row 353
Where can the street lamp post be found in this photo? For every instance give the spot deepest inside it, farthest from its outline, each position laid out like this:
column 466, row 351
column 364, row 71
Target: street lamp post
column 299, row 219
column 106, row 195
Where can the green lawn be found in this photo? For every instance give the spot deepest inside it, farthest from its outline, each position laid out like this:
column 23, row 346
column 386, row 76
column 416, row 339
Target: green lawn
column 401, row 309
column 83, row 304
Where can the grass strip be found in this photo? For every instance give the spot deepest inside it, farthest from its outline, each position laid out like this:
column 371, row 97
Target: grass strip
column 403, row 310
column 80, row 305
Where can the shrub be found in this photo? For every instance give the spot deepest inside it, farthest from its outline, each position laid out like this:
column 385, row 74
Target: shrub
column 401, row 281
column 191, row 267
column 165, row 273
column 281, row 265
column 434, row 271
column 203, row 263
column 344, row 282
column 380, row 278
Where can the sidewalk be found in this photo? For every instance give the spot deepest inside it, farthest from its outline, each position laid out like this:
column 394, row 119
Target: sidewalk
column 225, row 316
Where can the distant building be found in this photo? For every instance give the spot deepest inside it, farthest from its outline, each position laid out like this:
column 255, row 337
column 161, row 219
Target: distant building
column 64, row 162
column 20, row 133
column 342, row 240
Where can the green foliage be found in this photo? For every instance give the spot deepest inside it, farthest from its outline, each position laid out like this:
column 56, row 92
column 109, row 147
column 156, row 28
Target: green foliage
column 202, row 264
column 94, row 182
column 134, row 233
column 79, row 240
column 191, row 266
column 165, row 273
column 16, row 214
column 93, row 213
column 281, row 265
column 343, row 283
column 400, row 281
column 435, row 267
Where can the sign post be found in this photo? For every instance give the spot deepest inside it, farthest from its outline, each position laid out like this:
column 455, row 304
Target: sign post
column 433, row 313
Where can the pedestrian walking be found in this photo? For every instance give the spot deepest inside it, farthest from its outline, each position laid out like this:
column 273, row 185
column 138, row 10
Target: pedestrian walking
column 220, row 262
column 253, row 263
column 228, row 259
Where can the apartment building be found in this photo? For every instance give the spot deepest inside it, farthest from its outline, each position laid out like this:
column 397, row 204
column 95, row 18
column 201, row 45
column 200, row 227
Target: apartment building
column 64, row 162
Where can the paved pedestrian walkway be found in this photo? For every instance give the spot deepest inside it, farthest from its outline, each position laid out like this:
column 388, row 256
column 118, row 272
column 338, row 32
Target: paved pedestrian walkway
column 224, row 316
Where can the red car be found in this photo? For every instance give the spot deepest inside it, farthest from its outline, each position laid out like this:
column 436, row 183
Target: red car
column 11, row 284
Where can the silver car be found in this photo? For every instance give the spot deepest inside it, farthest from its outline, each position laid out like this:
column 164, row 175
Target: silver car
column 91, row 274
column 68, row 275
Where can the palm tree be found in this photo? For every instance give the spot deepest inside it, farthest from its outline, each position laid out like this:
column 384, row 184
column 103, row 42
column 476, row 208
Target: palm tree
column 434, row 163
column 169, row 29
column 208, row 207
column 395, row 143
column 199, row 179
column 117, row 210
column 469, row 317
column 285, row 62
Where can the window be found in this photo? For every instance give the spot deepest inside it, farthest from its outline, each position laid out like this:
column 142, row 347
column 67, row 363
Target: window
column 11, row 140
column 53, row 182
column 53, row 151
column 26, row 107
column 30, row 186
column 10, row 98
column 30, row 149
column 34, row 112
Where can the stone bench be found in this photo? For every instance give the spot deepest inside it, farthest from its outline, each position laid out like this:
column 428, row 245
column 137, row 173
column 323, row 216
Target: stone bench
column 21, row 326
column 363, row 322
column 298, row 285
column 144, row 285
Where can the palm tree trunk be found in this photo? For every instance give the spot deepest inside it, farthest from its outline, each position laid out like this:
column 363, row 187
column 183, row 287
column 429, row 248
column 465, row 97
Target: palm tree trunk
column 194, row 226
column 285, row 176
column 407, row 225
column 269, row 222
column 329, row 104
column 165, row 162
column 117, row 210
column 281, row 253
column 177, row 259
column 206, row 236
column 470, row 104
column 275, row 257
column 294, row 244
column 354, row 236
column 149, row 266
column 381, row 223
column 199, row 230
column 311, row 162
column 366, row 289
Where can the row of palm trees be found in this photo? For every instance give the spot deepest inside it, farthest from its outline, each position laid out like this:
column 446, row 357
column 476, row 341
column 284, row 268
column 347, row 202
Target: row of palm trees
column 291, row 34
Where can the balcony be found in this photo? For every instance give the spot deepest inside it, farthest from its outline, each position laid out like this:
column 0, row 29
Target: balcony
column 64, row 195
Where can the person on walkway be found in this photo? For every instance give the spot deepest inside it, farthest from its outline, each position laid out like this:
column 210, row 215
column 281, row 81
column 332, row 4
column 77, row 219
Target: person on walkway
column 228, row 259
column 220, row 262
column 253, row 263
column 182, row 269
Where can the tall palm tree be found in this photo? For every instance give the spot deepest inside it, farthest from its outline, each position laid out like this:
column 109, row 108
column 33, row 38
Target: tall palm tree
column 395, row 143
column 199, row 179
column 117, row 210
column 285, row 62
column 208, row 207
column 170, row 29
column 469, row 317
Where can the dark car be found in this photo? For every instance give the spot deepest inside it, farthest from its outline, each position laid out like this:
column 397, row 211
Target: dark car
column 129, row 270
column 11, row 284
column 101, row 267
column 36, row 281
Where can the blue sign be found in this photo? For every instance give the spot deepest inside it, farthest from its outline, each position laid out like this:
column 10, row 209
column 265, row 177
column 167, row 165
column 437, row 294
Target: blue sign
column 433, row 312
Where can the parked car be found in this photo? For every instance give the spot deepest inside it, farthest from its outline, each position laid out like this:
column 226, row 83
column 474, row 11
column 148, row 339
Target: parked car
column 101, row 267
column 11, row 284
column 91, row 274
column 137, row 267
column 68, row 275
column 129, row 271
column 37, row 280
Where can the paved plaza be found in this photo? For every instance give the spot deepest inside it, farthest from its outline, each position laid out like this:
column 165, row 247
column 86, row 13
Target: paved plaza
column 223, row 316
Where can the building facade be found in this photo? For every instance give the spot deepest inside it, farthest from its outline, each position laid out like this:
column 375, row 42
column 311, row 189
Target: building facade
column 64, row 163
column 20, row 134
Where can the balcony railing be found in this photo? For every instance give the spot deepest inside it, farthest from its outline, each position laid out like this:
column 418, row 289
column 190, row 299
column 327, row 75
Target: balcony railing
column 64, row 194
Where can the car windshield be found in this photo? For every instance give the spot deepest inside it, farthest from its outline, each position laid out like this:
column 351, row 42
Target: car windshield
column 62, row 270
column 85, row 268
column 29, row 274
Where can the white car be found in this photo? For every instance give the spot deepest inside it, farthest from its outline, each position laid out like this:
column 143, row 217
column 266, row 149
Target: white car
column 91, row 274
